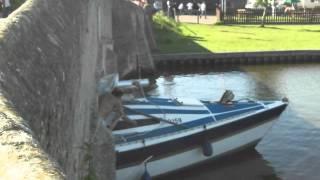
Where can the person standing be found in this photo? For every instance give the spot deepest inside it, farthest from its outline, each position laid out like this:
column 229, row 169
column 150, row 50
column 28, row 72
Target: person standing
column 180, row 8
column 195, row 8
column 190, row 7
column 6, row 8
column 218, row 12
column 203, row 10
column 168, row 7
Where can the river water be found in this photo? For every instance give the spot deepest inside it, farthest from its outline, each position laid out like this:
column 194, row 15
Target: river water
column 290, row 150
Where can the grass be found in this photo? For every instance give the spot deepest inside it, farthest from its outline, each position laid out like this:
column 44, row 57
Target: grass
column 180, row 38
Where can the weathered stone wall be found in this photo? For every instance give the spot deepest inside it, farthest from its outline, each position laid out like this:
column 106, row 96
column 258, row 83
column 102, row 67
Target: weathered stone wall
column 133, row 37
column 52, row 55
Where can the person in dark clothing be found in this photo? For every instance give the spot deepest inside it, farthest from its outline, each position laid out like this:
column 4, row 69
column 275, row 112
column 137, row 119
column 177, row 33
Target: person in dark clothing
column 218, row 12
column 195, row 7
column 6, row 8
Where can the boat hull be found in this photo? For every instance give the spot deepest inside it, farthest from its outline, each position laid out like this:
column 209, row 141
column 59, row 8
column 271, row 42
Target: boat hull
column 187, row 151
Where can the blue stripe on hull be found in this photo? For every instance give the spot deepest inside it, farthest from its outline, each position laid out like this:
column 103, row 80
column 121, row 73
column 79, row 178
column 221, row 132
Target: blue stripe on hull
column 166, row 111
column 190, row 124
column 170, row 129
column 155, row 101
column 226, row 110
column 176, row 146
column 231, row 114
column 220, row 108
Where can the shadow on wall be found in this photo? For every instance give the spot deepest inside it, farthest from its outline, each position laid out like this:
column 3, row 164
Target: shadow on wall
column 133, row 40
column 169, row 37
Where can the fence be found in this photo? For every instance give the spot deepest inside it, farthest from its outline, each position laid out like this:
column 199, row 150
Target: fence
column 244, row 16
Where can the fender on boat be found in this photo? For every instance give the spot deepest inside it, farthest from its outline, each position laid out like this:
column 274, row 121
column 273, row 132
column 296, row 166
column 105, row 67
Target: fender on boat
column 207, row 148
column 146, row 175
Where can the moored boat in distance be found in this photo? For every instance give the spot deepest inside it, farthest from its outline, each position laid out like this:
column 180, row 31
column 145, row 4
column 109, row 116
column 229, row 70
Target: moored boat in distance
column 171, row 134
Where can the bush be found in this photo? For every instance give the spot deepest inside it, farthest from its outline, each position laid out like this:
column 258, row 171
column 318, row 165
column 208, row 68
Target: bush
column 165, row 23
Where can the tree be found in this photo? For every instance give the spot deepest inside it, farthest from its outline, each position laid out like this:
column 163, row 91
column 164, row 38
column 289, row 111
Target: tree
column 264, row 4
column 291, row 1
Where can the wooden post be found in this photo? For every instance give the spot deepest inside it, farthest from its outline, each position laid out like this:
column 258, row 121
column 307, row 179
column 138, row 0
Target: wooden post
column 198, row 17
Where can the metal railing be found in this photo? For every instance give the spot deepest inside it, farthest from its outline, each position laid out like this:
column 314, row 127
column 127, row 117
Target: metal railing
column 245, row 16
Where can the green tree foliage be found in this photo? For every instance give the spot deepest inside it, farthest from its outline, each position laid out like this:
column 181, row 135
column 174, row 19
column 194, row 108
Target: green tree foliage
column 263, row 3
column 162, row 22
column 291, row 1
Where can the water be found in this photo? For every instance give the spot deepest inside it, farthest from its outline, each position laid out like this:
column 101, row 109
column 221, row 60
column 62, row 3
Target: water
column 290, row 150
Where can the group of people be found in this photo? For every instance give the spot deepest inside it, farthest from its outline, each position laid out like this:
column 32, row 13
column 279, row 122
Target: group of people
column 6, row 8
column 189, row 8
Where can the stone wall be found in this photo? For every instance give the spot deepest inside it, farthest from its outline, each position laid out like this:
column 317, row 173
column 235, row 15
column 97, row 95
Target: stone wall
column 133, row 37
column 52, row 56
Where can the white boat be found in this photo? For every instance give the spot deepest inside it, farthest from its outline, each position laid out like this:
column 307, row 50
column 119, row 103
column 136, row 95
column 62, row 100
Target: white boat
column 172, row 134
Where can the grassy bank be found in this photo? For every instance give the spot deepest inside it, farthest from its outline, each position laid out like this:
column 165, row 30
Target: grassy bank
column 172, row 37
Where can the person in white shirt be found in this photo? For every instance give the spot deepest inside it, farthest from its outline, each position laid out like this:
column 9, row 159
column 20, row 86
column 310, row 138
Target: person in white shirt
column 168, row 7
column 180, row 8
column 189, row 7
column 203, row 10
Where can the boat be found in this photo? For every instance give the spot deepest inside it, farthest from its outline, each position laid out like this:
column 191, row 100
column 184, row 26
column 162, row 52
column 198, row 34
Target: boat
column 175, row 133
column 123, row 84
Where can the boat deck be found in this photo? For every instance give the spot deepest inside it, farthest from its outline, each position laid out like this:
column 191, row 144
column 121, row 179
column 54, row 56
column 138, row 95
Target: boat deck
column 208, row 113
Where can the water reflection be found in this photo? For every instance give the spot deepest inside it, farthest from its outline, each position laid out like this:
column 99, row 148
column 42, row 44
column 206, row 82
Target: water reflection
column 211, row 86
column 245, row 165
column 290, row 150
column 299, row 83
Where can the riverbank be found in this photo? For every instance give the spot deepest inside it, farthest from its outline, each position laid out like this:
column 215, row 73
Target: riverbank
column 174, row 37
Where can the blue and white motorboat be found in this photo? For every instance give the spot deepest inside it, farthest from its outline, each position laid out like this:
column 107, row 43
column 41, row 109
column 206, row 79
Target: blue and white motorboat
column 175, row 133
